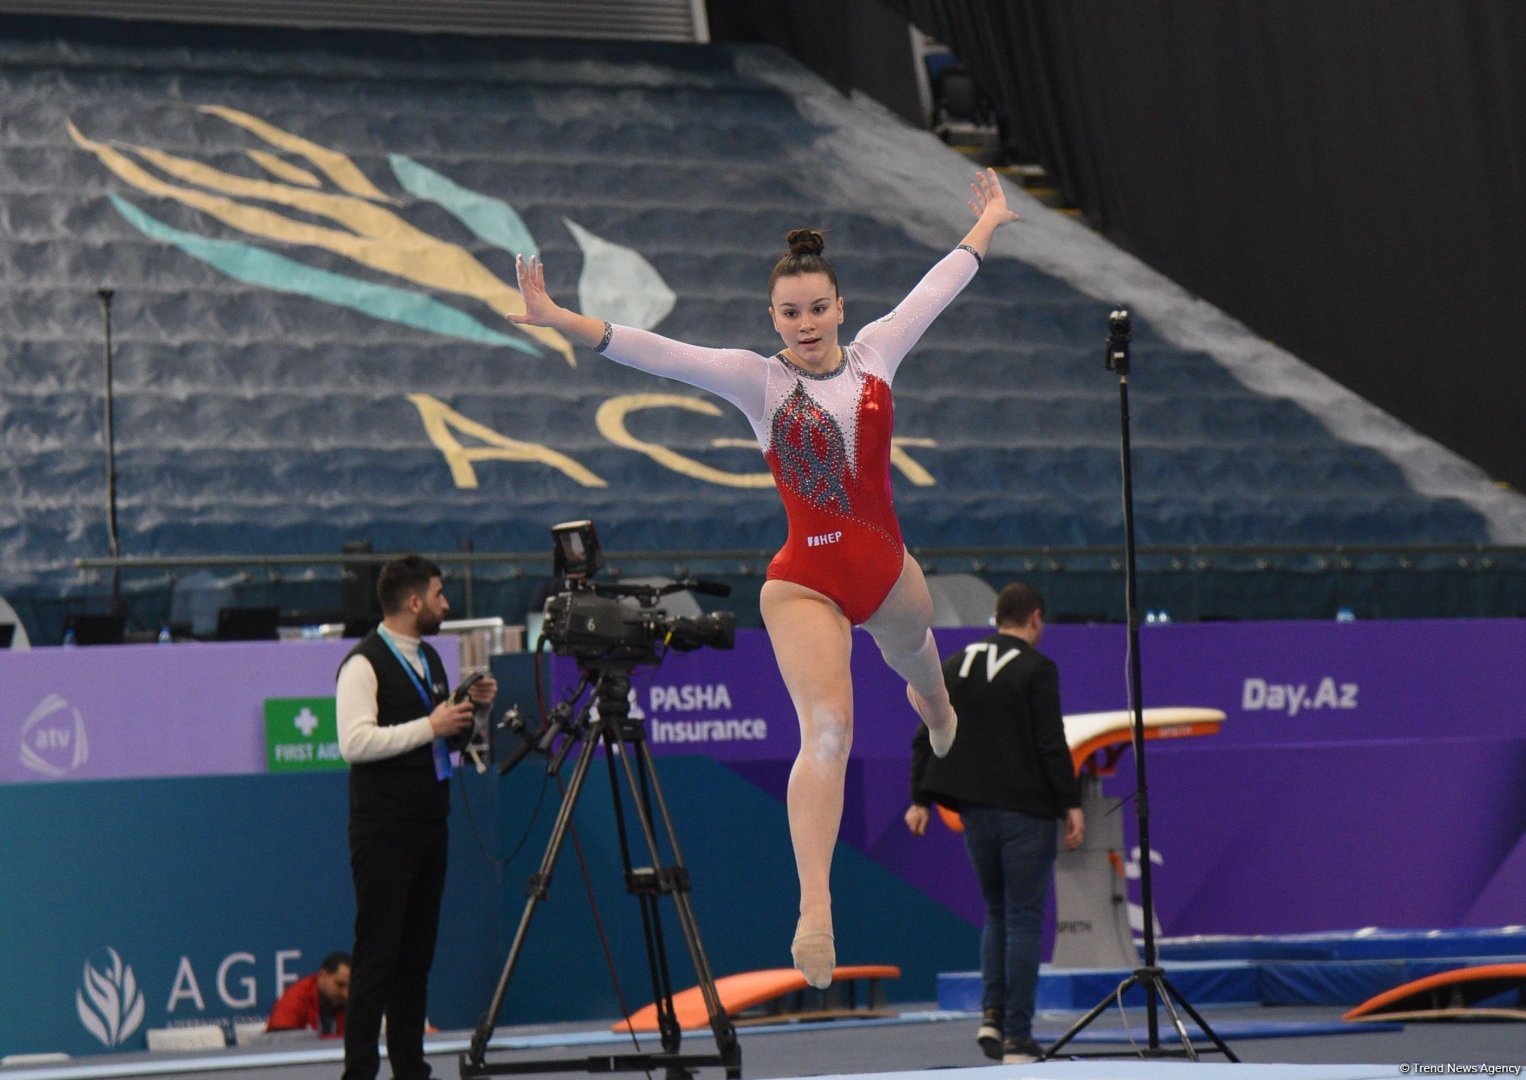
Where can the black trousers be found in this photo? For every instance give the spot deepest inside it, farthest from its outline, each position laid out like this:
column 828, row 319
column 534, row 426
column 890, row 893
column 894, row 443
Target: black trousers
column 399, row 873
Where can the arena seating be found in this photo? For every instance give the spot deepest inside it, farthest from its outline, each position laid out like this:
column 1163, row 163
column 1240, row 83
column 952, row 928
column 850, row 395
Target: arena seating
column 310, row 241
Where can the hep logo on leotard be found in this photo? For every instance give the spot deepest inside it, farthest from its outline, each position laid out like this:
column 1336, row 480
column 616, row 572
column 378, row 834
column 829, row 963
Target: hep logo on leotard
column 823, row 539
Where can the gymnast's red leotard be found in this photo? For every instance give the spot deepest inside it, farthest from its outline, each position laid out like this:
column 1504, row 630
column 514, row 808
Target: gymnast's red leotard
column 826, row 437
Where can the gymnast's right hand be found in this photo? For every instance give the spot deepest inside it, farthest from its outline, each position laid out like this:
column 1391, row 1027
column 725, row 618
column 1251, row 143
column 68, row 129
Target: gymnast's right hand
column 540, row 309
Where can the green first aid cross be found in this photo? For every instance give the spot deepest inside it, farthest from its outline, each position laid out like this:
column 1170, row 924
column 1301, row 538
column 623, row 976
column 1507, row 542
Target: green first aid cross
column 301, row 735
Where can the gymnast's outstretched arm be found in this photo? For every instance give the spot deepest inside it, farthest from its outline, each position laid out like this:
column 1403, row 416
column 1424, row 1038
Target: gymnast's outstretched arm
column 737, row 375
column 894, row 335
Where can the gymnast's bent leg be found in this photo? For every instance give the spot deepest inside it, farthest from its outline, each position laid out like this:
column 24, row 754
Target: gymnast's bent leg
column 812, row 642
column 902, row 627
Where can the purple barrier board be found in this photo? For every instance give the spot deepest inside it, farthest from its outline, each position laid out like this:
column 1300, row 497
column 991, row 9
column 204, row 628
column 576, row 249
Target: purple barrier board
column 1367, row 773
column 1281, row 684
column 150, row 711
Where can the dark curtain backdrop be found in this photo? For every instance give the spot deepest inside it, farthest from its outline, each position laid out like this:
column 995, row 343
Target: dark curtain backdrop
column 852, row 44
column 1344, row 176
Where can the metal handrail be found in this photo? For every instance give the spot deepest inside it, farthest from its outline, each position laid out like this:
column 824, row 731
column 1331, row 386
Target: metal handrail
column 473, row 558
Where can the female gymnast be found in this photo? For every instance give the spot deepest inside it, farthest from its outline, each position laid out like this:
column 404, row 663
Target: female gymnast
column 822, row 414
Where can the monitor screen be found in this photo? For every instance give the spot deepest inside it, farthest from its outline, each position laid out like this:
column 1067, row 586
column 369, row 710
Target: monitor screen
column 95, row 629
column 248, row 623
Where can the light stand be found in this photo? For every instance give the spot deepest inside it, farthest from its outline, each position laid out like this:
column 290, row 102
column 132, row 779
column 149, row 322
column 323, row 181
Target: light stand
column 111, row 462
column 624, row 739
column 1151, row 976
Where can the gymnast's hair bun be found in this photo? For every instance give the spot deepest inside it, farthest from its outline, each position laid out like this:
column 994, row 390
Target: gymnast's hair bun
column 804, row 257
column 805, row 242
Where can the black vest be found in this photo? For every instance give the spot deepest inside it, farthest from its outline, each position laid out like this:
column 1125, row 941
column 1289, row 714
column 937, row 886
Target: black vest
column 403, row 786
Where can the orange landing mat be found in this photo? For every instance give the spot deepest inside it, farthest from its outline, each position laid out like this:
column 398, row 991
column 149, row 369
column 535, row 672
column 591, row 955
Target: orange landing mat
column 1450, row 995
column 738, row 993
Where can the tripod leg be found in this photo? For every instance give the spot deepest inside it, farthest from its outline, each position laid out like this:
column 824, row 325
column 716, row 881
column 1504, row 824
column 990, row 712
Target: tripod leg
column 647, row 887
column 1196, row 1019
column 720, row 1022
column 1096, row 1011
column 539, row 883
column 1176, row 1020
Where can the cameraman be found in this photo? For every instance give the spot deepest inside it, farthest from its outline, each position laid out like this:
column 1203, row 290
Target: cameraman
column 394, row 714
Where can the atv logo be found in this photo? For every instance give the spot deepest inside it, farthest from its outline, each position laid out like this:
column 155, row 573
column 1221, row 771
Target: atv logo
column 53, row 739
column 109, row 1003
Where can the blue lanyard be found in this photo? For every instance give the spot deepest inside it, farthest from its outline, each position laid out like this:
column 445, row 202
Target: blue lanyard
column 413, row 676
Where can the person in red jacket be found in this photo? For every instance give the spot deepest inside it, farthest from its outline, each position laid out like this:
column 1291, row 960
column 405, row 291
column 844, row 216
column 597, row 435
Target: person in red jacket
column 317, row 1002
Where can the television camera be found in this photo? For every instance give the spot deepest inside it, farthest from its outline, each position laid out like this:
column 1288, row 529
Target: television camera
column 598, row 622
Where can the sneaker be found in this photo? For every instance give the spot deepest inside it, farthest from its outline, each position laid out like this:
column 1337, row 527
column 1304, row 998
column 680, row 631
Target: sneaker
column 1021, row 1052
column 989, row 1035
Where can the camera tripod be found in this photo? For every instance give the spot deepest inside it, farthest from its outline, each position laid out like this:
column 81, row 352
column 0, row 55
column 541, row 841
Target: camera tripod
column 625, row 742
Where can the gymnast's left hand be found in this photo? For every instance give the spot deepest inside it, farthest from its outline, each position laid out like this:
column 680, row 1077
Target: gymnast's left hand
column 989, row 200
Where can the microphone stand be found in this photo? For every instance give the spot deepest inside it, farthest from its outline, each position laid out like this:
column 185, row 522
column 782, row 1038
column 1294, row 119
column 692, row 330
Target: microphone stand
column 1151, row 976
column 113, row 548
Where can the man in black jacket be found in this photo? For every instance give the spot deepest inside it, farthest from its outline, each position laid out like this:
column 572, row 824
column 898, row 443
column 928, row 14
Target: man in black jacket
column 395, row 713
column 1009, row 776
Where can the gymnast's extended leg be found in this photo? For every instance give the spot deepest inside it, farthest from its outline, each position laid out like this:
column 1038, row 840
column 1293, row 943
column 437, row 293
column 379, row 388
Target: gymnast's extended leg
column 902, row 628
column 812, row 642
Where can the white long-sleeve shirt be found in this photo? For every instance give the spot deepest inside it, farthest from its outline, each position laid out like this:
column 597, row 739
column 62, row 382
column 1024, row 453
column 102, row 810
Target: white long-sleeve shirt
column 361, row 738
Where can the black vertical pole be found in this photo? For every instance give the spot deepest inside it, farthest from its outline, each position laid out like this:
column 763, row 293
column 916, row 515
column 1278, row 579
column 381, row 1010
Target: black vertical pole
column 468, row 580
column 113, row 549
column 1118, row 360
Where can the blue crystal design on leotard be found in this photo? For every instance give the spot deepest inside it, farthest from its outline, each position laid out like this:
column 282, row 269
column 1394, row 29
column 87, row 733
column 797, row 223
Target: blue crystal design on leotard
column 813, row 455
